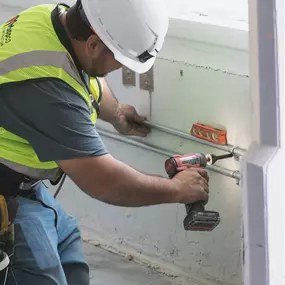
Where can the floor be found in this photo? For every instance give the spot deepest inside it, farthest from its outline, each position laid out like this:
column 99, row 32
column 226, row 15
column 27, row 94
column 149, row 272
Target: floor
column 110, row 269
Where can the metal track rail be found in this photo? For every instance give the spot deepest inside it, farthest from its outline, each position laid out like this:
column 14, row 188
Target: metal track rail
column 235, row 150
column 223, row 171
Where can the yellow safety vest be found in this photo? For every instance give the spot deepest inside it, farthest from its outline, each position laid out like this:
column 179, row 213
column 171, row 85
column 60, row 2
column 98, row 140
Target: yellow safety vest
column 31, row 49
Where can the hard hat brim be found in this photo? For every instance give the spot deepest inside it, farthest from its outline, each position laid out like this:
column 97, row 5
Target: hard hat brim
column 134, row 65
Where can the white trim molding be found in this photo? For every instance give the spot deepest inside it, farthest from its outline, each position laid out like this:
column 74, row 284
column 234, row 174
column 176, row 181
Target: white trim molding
column 263, row 177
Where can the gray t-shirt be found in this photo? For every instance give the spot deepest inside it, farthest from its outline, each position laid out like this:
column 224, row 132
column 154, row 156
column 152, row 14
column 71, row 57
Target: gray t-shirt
column 52, row 117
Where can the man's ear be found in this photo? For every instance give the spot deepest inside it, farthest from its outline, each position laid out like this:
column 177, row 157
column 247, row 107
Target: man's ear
column 92, row 45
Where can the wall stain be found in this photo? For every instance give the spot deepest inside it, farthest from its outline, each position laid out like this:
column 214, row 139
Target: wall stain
column 156, row 246
column 193, row 242
column 174, row 253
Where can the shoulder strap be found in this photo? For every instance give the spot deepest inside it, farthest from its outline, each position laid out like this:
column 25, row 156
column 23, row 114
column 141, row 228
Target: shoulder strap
column 60, row 31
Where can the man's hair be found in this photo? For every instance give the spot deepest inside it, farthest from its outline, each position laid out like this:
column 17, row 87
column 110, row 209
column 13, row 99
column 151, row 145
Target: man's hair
column 77, row 28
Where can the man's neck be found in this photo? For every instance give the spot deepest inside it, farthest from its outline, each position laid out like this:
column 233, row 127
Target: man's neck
column 74, row 43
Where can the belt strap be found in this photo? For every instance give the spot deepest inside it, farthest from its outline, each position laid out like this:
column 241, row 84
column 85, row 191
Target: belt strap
column 13, row 182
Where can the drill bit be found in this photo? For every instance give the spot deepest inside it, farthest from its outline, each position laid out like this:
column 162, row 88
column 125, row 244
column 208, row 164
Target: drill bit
column 212, row 159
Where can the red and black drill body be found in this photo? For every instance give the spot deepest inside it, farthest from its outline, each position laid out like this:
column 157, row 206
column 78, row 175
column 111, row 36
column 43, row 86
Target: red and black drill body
column 197, row 218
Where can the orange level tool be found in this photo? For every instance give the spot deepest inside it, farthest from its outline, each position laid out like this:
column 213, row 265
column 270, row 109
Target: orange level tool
column 208, row 133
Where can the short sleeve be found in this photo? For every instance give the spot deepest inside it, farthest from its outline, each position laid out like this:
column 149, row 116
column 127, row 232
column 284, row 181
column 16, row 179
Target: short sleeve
column 52, row 116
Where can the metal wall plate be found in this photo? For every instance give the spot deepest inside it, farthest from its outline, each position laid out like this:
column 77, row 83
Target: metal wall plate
column 129, row 77
column 146, row 81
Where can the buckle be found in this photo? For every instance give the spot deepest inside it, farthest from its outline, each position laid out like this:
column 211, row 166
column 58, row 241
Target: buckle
column 145, row 56
column 28, row 185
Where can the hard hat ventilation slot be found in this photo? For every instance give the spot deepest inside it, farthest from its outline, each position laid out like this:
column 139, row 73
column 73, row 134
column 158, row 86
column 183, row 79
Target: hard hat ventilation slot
column 101, row 22
column 120, row 47
column 109, row 35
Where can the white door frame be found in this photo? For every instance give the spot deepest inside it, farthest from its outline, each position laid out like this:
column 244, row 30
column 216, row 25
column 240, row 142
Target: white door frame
column 262, row 177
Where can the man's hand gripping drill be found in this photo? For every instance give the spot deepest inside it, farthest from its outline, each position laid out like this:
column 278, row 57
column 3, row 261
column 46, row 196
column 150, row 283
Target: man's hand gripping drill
column 197, row 218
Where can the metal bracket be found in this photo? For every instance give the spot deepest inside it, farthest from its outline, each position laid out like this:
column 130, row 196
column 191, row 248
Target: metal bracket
column 237, row 158
column 129, row 77
column 146, row 81
column 237, row 173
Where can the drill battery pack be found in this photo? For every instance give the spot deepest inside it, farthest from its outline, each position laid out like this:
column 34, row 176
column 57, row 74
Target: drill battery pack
column 201, row 221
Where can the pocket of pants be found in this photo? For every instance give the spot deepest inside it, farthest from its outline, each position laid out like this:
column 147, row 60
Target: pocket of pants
column 36, row 243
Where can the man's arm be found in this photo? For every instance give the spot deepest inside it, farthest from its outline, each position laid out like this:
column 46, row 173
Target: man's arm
column 109, row 106
column 123, row 117
column 111, row 181
column 56, row 121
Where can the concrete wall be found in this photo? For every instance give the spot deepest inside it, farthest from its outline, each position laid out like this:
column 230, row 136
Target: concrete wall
column 202, row 74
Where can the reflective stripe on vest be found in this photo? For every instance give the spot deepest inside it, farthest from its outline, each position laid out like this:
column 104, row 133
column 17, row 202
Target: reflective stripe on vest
column 46, row 58
column 28, row 56
column 40, row 58
column 35, row 173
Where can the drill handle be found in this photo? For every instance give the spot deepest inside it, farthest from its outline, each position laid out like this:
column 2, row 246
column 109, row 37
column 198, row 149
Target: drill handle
column 195, row 207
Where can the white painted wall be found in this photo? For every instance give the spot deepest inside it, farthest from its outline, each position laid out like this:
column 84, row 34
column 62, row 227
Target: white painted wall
column 214, row 88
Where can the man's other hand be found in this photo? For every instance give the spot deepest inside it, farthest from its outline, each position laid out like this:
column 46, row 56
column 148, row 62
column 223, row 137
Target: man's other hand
column 129, row 123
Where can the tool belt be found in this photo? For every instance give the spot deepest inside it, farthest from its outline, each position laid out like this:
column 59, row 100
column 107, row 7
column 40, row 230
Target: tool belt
column 8, row 212
column 12, row 183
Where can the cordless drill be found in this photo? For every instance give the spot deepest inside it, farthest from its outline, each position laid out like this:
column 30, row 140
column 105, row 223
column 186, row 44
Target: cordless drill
column 197, row 218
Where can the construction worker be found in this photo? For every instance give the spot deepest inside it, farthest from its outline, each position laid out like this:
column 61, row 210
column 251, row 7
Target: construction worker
column 53, row 60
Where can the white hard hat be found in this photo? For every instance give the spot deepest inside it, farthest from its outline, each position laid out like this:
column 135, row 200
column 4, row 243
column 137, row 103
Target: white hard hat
column 134, row 30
